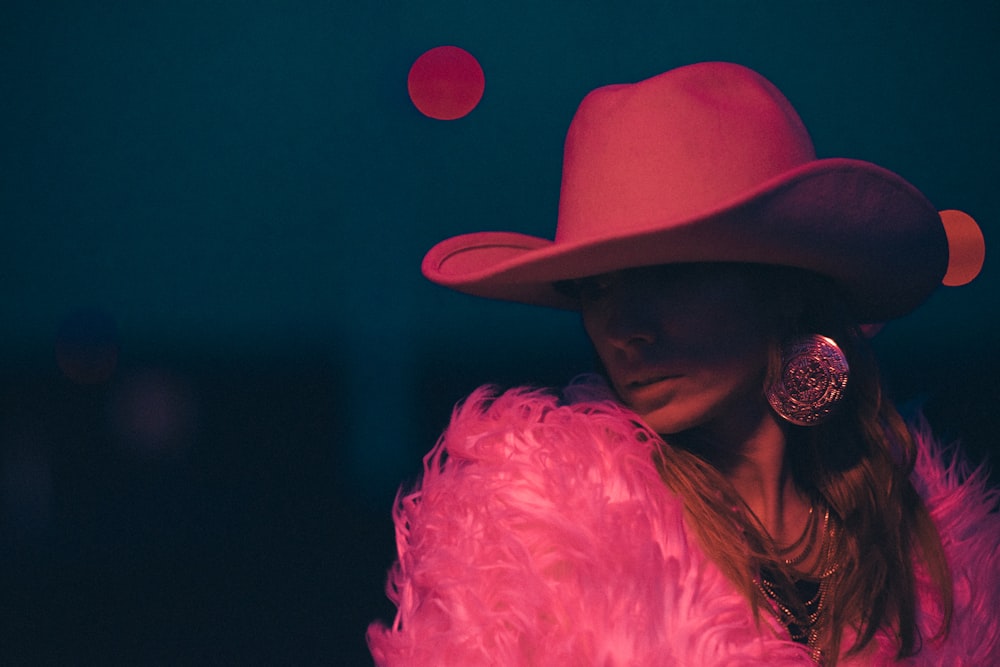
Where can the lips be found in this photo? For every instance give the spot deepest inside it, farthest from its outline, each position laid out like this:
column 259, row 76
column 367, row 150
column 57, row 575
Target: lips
column 647, row 390
column 646, row 378
column 645, row 382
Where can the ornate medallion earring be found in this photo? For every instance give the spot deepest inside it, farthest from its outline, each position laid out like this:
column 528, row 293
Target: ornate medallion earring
column 813, row 377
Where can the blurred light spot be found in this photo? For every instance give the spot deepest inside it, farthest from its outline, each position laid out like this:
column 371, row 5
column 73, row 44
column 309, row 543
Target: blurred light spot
column 87, row 346
column 153, row 415
column 871, row 330
column 446, row 83
column 966, row 248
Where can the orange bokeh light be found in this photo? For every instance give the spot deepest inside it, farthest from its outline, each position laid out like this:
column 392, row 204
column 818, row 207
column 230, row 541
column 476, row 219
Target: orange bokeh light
column 966, row 248
column 446, row 83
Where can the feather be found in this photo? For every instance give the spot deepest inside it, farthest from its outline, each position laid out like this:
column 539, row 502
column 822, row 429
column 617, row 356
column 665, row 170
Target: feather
column 541, row 534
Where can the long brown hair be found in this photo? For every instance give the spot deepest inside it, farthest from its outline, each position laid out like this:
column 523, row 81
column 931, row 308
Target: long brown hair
column 857, row 464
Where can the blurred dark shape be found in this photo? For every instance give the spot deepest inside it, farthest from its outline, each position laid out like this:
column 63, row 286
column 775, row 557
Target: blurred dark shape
column 87, row 346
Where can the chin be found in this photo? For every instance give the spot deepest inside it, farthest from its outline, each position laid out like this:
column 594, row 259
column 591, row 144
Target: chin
column 668, row 424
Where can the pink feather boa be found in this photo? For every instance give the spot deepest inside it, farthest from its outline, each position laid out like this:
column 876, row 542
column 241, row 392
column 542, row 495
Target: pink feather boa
column 541, row 534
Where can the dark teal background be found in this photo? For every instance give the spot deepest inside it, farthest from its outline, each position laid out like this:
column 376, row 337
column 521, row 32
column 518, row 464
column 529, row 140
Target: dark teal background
column 239, row 194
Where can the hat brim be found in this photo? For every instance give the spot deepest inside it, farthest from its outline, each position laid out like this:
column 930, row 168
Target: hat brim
column 862, row 225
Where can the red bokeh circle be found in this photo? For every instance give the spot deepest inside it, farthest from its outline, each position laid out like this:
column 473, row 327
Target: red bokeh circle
column 966, row 248
column 446, row 83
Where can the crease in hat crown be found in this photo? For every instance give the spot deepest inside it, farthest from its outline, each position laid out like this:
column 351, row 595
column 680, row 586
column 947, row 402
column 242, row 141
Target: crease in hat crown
column 709, row 162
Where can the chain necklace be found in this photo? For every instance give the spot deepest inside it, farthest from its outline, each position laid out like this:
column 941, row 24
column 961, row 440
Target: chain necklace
column 803, row 618
column 807, row 537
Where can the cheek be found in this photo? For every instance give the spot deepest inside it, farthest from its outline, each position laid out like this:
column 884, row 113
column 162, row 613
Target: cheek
column 603, row 359
column 720, row 372
column 588, row 326
column 595, row 331
column 708, row 396
column 734, row 363
column 730, row 334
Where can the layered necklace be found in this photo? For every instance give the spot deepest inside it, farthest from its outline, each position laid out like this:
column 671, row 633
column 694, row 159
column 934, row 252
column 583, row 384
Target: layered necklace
column 803, row 616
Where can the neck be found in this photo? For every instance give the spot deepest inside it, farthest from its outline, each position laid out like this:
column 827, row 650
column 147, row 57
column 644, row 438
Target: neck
column 762, row 478
column 752, row 457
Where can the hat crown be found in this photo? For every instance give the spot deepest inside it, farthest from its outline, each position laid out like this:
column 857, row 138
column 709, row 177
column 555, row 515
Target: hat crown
column 710, row 163
column 674, row 147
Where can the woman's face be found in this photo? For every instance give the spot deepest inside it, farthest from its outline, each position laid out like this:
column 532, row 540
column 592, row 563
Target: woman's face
column 685, row 346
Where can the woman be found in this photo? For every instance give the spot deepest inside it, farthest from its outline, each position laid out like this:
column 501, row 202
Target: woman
column 732, row 489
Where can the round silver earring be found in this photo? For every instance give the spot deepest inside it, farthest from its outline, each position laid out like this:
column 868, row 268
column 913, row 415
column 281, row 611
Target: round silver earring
column 814, row 374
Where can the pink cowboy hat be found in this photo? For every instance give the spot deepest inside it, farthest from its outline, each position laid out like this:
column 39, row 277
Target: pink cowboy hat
column 709, row 163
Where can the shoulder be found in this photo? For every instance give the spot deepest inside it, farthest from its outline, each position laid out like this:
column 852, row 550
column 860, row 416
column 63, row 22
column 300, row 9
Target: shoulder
column 964, row 508
column 520, row 512
column 529, row 449
column 541, row 533
column 581, row 424
column 958, row 496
